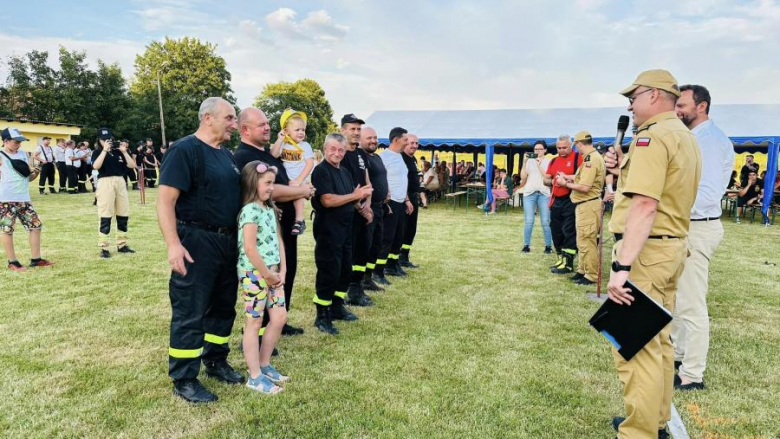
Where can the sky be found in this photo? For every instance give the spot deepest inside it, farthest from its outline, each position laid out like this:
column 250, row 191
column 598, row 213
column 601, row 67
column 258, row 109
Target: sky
column 426, row 55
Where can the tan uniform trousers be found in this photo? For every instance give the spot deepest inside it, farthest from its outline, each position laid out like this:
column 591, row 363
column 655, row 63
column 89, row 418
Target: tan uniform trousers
column 112, row 200
column 648, row 379
column 588, row 222
column 691, row 325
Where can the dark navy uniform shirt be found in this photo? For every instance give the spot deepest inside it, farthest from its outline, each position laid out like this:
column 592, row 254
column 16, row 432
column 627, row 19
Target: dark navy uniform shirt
column 222, row 198
column 328, row 179
column 377, row 173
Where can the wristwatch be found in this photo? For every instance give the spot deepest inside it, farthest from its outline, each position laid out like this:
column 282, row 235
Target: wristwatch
column 617, row 267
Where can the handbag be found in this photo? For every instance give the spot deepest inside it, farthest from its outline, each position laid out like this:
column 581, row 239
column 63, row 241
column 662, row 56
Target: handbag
column 20, row 166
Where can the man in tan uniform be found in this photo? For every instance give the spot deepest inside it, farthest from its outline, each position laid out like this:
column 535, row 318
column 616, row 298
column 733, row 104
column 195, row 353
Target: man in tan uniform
column 656, row 189
column 586, row 185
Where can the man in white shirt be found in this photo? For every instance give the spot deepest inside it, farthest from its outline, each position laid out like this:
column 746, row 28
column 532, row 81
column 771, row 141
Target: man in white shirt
column 45, row 156
column 59, row 161
column 691, row 325
column 398, row 206
column 15, row 203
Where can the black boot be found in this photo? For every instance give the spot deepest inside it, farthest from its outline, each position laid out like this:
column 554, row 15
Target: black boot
column 380, row 278
column 567, row 266
column 368, row 284
column 340, row 312
column 323, row 321
column 558, row 261
column 405, row 262
column 222, row 371
column 394, row 269
column 192, row 391
column 356, row 296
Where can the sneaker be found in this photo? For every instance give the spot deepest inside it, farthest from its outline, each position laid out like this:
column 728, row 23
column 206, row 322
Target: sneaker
column 584, row 281
column 690, row 386
column 16, row 266
column 125, row 249
column 40, row 262
column 526, row 249
column 192, row 391
column 272, row 374
column 263, row 385
column 617, row 420
column 105, row 254
column 548, row 250
column 577, row 277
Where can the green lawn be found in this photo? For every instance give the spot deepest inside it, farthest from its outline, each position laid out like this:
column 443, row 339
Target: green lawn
column 480, row 342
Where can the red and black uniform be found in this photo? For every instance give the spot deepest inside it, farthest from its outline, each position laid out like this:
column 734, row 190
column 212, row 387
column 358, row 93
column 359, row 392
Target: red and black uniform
column 562, row 210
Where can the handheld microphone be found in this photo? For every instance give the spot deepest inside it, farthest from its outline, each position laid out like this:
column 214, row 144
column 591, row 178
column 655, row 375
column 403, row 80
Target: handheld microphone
column 617, row 147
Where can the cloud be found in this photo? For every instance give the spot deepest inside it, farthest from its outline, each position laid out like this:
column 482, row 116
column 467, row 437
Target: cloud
column 317, row 26
column 172, row 15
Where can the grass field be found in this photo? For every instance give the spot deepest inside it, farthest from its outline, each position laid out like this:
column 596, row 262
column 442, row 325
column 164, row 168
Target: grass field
column 480, row 342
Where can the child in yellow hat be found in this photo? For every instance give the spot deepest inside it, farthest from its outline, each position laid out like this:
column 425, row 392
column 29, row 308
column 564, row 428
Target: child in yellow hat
column 297, row 157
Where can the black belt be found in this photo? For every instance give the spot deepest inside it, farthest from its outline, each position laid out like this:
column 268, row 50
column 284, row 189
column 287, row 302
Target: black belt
column 714, row 218
column 580, row 202
column 619, row 236
column 208, row 227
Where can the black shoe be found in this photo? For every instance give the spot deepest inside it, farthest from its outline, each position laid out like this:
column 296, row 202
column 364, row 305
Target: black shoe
column 395, row 270
column 340, row 312
column 105, row 254
column 222, row 371
column 584, row 281
column 125, row 249
column 323, row 322
column 567, row 266
column 356, row 296
column 192, row 391
column 617, row 420
column 577, row 277
column 548, row 250
column 405, row 262
column 677, row 365
column 690, row 386
column 558, row 262
column 368, row 284
column 291, row 330
column 526, row 249
column 380, row 279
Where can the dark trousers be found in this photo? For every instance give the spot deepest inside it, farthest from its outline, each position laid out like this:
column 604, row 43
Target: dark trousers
column 563, row 225
column 290, row 242
column 62, row 170
column 47, row 176
column 392, row 236
column 410, row 230
column 362, row 234
column 132, row 175
column 81, row 172
column 203, row 302
column 375, row 237
column 73, row 179
column 151, row 176
column 333, row 258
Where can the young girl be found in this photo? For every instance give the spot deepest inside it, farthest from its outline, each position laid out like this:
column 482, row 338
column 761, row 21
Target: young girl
column 297, row 156
column 261, row 272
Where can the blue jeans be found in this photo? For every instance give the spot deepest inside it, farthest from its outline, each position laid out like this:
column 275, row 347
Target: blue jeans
column 530, row 204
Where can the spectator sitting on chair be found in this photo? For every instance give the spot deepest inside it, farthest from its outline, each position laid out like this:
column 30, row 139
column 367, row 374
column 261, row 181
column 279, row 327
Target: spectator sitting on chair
column 430, row 183
column 500, row 189
column 749, row 190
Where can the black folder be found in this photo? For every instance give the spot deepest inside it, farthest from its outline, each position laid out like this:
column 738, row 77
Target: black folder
column 630, row 328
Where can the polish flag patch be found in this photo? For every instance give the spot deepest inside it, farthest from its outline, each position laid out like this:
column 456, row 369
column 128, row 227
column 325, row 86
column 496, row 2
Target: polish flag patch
column 643, row 141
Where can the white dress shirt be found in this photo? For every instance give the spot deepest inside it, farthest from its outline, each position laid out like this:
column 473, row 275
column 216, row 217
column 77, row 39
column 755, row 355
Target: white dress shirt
column 717, row 162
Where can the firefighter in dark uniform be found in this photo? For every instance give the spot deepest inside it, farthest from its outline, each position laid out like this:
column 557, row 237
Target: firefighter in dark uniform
column 198, row 202
column 398, row 208
column 355, row 163
column 413, row 193
column 334, row 205
column 377, row 174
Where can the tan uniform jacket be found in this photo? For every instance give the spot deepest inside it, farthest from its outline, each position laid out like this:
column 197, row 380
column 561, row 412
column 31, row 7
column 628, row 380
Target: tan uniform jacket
column 592, row 172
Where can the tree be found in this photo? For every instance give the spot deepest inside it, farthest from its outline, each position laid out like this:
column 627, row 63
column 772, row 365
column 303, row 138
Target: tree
column 304, row 95
column 189, row 71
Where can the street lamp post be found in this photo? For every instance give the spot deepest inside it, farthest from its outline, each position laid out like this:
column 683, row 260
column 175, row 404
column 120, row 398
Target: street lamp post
column 159, row 98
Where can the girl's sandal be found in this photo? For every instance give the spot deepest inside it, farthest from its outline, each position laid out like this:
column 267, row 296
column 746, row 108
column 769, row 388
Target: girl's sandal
column 263, row 385
column 272, row 374
column 298, row 228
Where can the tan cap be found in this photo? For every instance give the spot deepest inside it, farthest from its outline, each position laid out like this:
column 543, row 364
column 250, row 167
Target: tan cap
column 660, row 79
column 583, row 135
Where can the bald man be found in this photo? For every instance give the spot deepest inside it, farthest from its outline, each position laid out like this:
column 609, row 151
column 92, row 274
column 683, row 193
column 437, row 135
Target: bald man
column 255, row 140
column 197, row 205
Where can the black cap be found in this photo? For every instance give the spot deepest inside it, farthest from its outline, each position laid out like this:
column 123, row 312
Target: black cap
column 351, row 118
column 104, row 133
